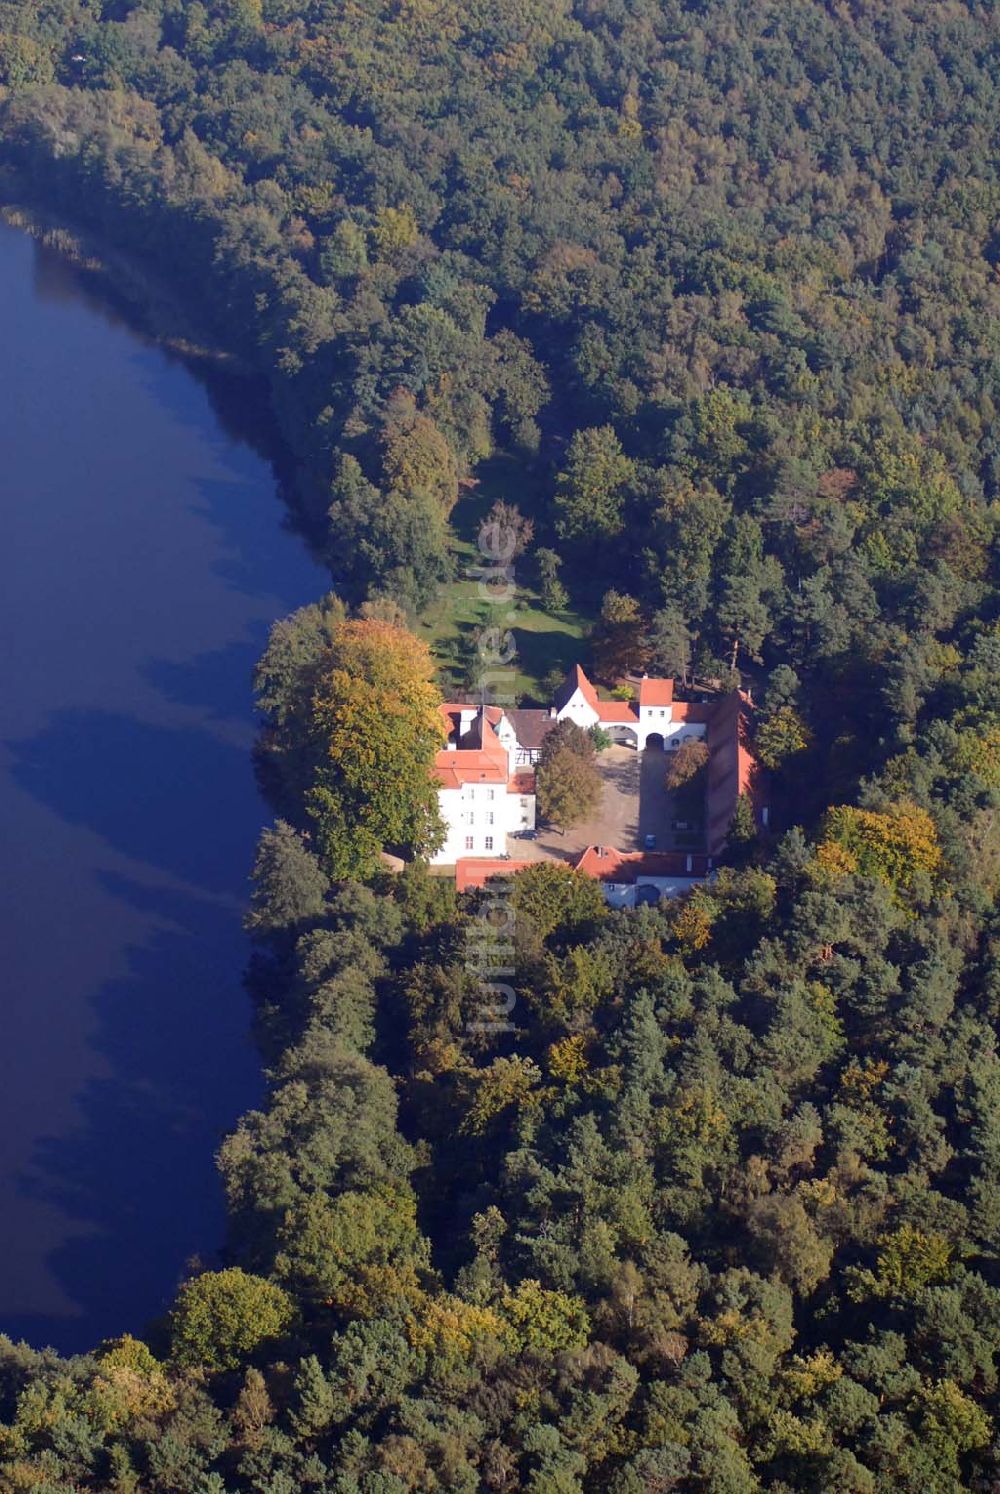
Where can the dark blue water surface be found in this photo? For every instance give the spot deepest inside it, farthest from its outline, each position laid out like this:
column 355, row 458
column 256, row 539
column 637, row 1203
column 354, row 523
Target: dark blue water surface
column 142, row 558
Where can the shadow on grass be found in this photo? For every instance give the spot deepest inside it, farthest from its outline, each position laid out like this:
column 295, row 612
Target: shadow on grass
column 542, row 651
column 452, row 623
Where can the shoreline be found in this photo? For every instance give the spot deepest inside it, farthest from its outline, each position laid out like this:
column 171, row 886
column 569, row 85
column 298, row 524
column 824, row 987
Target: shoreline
column 153, row 312
column 146, row 302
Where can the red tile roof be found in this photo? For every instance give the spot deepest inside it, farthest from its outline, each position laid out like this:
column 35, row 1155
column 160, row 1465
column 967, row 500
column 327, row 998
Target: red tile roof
column 475, row 872
column 614, row 712
column 453, row 769
column 523, row 782
column 486, row 762
column 689, row 710
column 454, row 707
column 732, row 768
column 602, row 862
column 617, row 712
column 611, row 865
column 452, row 712
column 654, row 692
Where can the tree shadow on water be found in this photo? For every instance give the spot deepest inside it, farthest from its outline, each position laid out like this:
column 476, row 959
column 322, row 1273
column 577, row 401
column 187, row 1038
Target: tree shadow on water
column 178, row 799
column 262, row 555
column 219, row 682
column 135, row 1180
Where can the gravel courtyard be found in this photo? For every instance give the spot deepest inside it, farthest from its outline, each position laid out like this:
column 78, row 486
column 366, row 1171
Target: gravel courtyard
column 635, row 803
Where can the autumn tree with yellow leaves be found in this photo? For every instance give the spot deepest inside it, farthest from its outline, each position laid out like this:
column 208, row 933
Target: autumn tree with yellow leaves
column 896, row 845
column 376, row 727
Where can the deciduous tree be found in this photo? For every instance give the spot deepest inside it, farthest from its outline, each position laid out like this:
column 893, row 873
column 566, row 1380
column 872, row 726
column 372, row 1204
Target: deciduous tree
column 554, row 596
column 896, row 845
column 689, row 759
column 670, row 644
column 619, row 637
column 222, row 1317
column 780, row 736
column 568, row 787
column 590, row 495
column 290, row 886
column 377, row 726
column 558, row 900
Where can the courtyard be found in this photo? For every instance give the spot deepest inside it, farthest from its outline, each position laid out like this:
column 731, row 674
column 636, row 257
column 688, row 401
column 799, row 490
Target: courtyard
column 635, row 803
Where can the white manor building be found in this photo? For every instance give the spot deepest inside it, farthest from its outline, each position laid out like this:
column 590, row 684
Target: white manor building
column 485, row 793
column 485, row 773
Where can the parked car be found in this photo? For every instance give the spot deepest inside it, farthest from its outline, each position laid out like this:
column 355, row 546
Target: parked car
column 649, row 842
column 683, row 825
column 525, row 835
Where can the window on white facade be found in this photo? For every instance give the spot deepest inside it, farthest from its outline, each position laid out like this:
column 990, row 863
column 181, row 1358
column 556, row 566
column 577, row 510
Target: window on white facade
column 469, row 841
column 489, row 818
column 488, row 842
column 491, row 794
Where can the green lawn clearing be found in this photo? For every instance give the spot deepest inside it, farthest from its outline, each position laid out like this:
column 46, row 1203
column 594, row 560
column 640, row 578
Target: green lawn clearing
column 455, row 622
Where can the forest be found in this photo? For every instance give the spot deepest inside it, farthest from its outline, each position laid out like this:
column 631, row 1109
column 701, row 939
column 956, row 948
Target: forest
column 716, row 1206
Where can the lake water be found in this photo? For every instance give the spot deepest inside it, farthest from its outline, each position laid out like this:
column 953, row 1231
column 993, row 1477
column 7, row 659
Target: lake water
column 143, row 557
